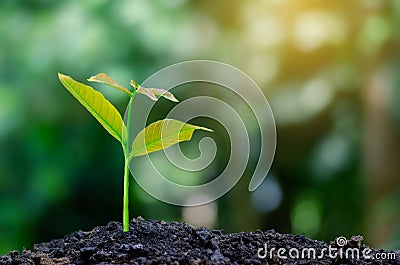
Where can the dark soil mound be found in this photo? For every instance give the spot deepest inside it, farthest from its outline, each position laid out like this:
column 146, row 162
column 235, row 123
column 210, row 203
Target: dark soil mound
column 155, row 242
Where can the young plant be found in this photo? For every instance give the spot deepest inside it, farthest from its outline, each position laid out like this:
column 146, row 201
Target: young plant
column 157, row 136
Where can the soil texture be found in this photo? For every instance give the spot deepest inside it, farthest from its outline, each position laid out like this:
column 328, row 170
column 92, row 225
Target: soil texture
column 159, row 242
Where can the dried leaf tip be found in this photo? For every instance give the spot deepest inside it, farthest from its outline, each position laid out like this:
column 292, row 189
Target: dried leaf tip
column 154, row 93
column 105, row 79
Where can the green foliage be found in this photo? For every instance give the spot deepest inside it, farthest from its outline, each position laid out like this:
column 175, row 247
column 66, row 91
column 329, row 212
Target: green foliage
column 155, row 137
column 96, row 104
column 161, row 135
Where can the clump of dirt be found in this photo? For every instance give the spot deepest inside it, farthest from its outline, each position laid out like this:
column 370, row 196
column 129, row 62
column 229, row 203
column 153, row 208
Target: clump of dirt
column 159, row 242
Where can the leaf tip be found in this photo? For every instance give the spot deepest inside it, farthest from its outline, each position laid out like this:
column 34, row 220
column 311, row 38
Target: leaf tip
column 100, row 77
column 173, row 98
column 203, row 128
column 61, row 76
column 207, row 129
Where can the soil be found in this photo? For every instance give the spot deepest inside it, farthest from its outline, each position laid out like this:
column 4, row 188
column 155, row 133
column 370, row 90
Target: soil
column 159, row 242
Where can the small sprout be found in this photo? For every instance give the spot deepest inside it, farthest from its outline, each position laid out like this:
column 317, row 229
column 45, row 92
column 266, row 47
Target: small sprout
column 157, row 136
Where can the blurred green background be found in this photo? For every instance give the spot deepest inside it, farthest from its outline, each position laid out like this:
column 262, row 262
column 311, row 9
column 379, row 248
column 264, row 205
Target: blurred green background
column 330, row 70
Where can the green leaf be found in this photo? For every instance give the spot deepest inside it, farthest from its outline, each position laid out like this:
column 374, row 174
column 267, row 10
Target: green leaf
column 161, row 135
column 105, row 79
column 96, row 104
column 152, row 93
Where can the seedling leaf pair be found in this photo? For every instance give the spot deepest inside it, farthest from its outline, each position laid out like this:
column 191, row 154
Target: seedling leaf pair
column 157, row 136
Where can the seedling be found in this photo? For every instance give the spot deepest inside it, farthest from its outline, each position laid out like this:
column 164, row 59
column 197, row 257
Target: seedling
column 157, row 136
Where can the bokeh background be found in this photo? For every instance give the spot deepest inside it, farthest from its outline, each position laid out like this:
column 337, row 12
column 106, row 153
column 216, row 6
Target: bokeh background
column 330, row 70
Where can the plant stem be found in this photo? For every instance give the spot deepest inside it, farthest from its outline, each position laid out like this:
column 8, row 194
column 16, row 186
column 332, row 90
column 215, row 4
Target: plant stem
column 125, row 211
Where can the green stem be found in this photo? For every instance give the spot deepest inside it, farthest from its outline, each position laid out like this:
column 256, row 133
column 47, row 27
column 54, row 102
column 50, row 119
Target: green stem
column 125, row 211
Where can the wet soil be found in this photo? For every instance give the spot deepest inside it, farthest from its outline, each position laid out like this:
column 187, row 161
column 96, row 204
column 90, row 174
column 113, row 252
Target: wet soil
column 159, row 242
